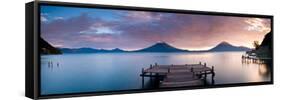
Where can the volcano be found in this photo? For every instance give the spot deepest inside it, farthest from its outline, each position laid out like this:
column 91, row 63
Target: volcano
column 161, row 47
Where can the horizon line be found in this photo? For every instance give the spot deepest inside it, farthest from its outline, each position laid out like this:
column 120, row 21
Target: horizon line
column 152, row 45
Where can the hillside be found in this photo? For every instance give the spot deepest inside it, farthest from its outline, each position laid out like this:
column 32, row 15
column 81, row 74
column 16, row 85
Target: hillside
column 46, row 48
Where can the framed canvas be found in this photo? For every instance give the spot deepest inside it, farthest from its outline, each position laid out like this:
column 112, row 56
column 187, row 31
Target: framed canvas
column 75, row 49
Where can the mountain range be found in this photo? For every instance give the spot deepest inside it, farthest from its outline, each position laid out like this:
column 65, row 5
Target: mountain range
column 90, row 50
column 158, row 47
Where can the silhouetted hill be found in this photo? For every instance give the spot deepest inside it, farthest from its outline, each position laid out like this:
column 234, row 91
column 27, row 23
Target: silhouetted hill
column 46, row 48
column 78, row 50
column 267, row 40
column 265, row 49
column 225, row 46
column 161, row 47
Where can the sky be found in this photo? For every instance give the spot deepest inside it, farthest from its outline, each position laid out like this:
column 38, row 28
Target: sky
column 72, row 27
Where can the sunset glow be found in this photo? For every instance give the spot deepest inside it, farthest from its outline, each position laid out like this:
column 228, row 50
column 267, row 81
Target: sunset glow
column 68, row 27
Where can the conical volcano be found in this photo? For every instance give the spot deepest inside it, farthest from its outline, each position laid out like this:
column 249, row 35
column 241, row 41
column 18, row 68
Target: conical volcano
column 161, row 47
column 225, row 46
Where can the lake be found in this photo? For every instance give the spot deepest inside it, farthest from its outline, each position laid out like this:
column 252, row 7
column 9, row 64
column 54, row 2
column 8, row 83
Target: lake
column 94, row 72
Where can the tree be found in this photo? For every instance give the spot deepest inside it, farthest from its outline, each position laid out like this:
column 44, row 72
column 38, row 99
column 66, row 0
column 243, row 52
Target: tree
column 256, row 44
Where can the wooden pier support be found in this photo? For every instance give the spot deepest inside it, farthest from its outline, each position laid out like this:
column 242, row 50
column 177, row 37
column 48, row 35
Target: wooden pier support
column 213, row 75
column 142, row 71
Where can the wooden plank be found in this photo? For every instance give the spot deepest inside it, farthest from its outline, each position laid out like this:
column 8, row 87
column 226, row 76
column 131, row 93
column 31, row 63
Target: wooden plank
column 180, row 79
column 181, row 84
column 156, row 71
column 177, row 68
column 180, row 74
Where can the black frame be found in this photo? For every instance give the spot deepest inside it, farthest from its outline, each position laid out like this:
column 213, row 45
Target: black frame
column 33, row 54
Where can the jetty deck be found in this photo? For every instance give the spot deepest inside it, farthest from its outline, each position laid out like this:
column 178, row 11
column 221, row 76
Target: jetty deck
column 179, row 75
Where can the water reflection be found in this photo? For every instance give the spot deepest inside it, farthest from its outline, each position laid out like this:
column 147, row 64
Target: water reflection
column 52, row 64
column 264, row 66
column 121, row 71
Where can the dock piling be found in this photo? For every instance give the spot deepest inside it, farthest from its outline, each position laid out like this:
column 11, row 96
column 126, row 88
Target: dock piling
column 212, row 70
column 191, row 70
column 169, row 70
column 213, row 75
column 142, row 71
column 205, row 77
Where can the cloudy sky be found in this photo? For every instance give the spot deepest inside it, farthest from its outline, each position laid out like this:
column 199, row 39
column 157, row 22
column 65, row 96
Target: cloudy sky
column 69, row 27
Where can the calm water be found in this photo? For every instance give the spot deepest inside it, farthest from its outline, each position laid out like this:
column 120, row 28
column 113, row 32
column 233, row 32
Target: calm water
column 72, row 73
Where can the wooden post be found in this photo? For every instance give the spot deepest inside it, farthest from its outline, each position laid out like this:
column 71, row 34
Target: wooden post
column 155, row 64
column 200, row 63
column 150, row 66
column 205, row 74
column 191, row 69
column 168, row 70
column 212, row 69
column 157, row 79
column 213, row 75
column 205, row 77
column 150, row 74
column 142, row 71
column 150, row 78
column 205, row 65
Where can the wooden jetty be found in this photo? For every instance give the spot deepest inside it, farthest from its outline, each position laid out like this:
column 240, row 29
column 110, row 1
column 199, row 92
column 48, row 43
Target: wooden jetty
column 254, row 59
column 179, row 75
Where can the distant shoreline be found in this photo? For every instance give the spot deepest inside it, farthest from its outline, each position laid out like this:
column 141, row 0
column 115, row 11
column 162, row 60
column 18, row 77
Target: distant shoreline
column 146, row 52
